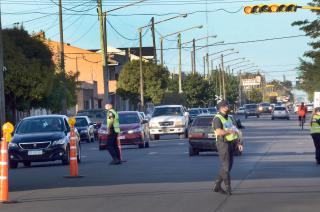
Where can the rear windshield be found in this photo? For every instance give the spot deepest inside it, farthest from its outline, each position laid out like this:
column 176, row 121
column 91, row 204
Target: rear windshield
column 81, row 122
column 203, row 122
column 98, row 114
column 251, row 106
column 128, row 118
column 280, row 108
column 194, row 112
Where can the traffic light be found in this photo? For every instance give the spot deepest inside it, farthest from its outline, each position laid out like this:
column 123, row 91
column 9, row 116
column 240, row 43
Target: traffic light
column 270, row 8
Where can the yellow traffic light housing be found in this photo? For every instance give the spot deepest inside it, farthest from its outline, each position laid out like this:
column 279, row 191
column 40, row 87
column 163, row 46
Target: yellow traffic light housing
column 270, row 8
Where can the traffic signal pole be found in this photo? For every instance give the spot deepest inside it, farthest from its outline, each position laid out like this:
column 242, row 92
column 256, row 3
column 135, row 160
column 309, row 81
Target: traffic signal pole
column 2, row 98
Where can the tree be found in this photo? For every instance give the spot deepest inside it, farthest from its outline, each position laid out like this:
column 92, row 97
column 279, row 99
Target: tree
column 196, row 91
column 309, row 70
column 255, row 95
column 155, row 82
column 31, row 79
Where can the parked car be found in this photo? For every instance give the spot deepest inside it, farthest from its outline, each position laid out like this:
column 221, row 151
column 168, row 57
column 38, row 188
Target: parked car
column 41, row 139
column 85, row 128
column 202, row 137
column 280, row 112
column 251, row 110
column 133, row 130
column 97, row 116
column 265, row 108
column 212, row 110
column 240, row 111
column 193, row 113
column 169, row 119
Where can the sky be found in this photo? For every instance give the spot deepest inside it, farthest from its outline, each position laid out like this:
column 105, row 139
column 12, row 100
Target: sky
column 224, row 18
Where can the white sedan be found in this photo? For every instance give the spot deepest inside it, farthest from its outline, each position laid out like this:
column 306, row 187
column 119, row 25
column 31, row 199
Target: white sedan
column 280, row 112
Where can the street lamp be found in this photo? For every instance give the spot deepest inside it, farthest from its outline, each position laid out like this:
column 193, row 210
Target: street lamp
column 180, row 45
column 154, row 46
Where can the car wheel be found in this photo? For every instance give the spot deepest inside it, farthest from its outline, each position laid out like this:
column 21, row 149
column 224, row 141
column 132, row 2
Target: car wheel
column 141, row 146
column 156, row 137
column 146, row 145
column 92, row 139
column 79, row 153
column 258, row 116
column 88, row 140
column 288, row 118
column 13, row 164
column 66, row 159
column 27, row 164
column 272, row 118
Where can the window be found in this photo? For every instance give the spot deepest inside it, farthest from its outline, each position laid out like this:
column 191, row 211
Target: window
column 167, row 111
column 39, row 125
column 129, row 118
column 203, row 122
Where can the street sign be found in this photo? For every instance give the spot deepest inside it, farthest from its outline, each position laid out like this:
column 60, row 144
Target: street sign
column 218, row 98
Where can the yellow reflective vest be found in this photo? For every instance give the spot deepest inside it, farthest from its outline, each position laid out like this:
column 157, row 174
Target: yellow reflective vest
column 116, row 124
column 227, row 125
column 315, row 127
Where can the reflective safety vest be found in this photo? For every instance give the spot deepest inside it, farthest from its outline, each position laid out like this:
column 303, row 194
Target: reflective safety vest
column 315, row 127
column 228, row 125
column 116, row 124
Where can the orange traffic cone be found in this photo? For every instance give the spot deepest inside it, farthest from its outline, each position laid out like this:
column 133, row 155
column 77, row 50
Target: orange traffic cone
column 73, row 151
column 7, row 129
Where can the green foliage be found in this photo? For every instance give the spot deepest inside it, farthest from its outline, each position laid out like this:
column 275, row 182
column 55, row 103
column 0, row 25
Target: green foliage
column 309, row 69
column 254, row 96
column 155, row 82
column 31, row 80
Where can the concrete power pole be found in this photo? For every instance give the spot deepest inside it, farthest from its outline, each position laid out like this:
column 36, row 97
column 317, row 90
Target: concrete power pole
column 103, row 45
column 154, row 41
column 2, row 98
column 180, row 65
column 194, row 56
column 62, row 68
column 223, row 80
column 141, row 71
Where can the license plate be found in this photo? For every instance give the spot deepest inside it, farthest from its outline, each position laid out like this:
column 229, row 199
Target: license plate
column 35, row 152
column 211, row 136
column 122, row 137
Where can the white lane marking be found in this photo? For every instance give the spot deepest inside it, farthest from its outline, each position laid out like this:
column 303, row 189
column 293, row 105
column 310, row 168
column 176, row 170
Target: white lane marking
column 186, row 152
column 152, row 153
column 181, row 143
column 94, row 149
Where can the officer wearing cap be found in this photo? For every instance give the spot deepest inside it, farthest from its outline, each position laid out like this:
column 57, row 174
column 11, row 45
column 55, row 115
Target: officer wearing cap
column 315, row 132
column 226, row 134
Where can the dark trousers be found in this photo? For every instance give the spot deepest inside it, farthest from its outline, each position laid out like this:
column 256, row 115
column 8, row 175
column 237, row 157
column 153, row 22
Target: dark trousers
column 225, row 150
column 113, row 146
column 316, row 141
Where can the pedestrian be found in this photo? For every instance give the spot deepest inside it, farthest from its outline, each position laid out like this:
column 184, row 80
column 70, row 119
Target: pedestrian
column 226, row 134
column 315, row 132
column 113, row 130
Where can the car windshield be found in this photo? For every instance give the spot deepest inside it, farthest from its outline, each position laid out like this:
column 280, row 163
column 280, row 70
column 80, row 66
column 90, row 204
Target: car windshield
column 265, row 104
column 194, row 112
column 280, row 108
column 81, row 122
column 40, row 125
column 95, row 114
column 212, row 110
column 128, row 118
column 167, row 111
column 251, row 106
column 202, row 122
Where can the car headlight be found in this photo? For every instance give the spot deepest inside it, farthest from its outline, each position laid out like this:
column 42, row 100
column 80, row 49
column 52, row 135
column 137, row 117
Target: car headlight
column 152, row 124
column 178, row 123
column 138, row 130
column 59, row 142
column 12, row 145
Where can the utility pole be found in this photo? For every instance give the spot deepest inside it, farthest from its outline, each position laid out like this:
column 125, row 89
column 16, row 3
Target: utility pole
column 154, row 41
column 194, row 55
column 240, row 89
column 211, row 70
column 141, row 71
column 192, row 64
column 2, row 98
column 62, row 68
column 208, row 68
column 223, row 82
column 103, row 46
column 220, row 80
column 161, row 52
column 180, row 71
column 204, row 66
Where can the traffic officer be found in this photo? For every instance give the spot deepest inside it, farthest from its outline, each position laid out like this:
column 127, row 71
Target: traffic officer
column 226, row 134
column 315, row 132
column 113, row 130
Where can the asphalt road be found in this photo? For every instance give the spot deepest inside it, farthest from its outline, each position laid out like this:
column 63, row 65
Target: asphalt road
column 277, row 172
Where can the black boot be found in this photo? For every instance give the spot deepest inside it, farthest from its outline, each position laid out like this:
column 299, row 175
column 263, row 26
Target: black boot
column 217, row 187
column 228, row 190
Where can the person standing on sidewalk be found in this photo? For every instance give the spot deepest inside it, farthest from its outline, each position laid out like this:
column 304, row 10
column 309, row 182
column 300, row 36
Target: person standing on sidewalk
column 226, row 134
column 315, row 132
column 113, row 130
